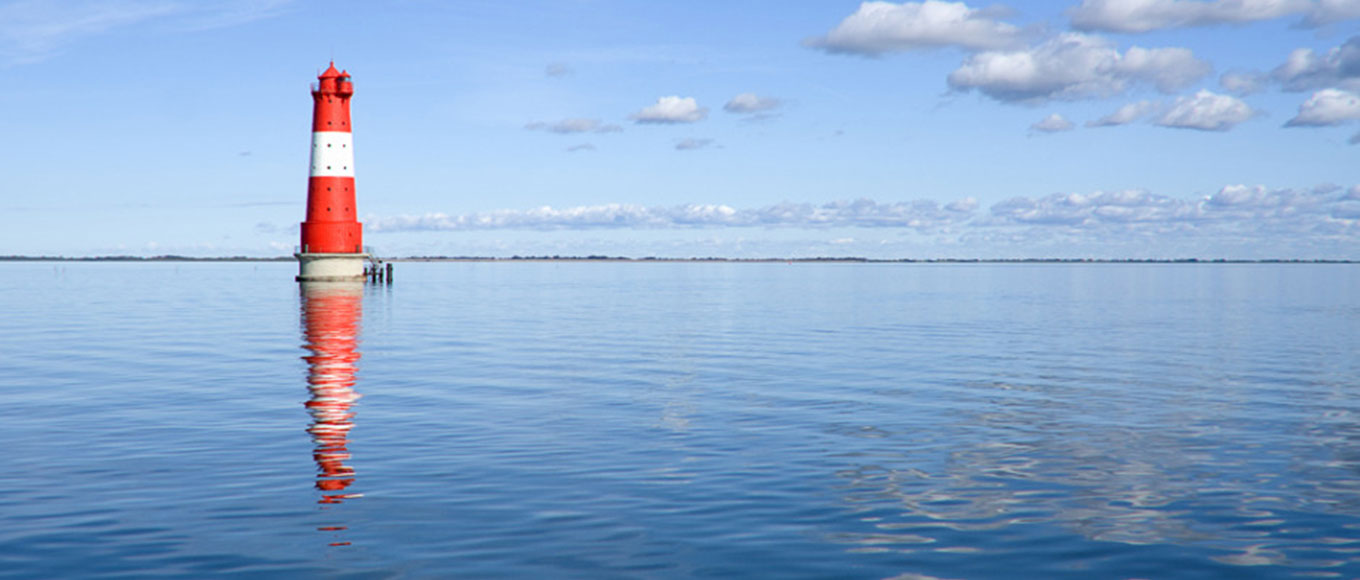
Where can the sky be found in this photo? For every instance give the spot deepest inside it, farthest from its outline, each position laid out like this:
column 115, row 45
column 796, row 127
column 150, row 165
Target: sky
column 1106, row 129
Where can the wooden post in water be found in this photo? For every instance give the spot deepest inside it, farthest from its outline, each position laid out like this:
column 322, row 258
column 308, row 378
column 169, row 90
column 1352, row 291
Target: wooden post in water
column 389, row 272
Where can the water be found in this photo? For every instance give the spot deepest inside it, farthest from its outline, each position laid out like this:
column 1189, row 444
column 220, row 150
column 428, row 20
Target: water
column 662, row 420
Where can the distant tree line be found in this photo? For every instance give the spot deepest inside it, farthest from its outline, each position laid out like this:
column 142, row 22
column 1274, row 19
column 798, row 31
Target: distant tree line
column 162, row 258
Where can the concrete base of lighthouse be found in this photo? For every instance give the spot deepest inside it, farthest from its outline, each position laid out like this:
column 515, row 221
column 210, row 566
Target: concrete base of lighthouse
column 330, row 267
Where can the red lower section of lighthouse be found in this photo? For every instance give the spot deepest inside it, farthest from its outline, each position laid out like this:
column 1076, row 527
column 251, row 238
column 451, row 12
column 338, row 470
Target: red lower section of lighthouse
column 332, row 238
column 331, row 227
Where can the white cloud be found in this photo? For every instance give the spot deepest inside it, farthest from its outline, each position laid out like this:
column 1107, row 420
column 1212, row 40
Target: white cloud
column 669, row 110
column 1079, row 209
column 750, row 103
column 691, row 143
column 1282, row 206
column 1239, row 196
column 1206, row 111
column 1075, row 66
column 1124, row 115
column 1332, row 11
column 1053, row 123
column 1169, row 69
column 1243, row 83
column 1327, row 107
column 1148, row 15
column 879, row 27
column 1306, row 70
column 574, row 126
column 580, row 147
column 965, row 205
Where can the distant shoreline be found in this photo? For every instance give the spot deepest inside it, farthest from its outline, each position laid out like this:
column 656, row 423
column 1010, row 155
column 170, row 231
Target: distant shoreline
column 834, row 260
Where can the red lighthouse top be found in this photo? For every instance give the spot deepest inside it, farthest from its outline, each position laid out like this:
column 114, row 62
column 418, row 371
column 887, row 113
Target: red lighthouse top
column 331, row 95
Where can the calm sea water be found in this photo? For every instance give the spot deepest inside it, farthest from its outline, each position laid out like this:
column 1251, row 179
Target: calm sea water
column 660, row 420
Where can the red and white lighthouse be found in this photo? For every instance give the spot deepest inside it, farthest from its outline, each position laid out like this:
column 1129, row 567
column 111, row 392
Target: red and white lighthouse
column 332, row 238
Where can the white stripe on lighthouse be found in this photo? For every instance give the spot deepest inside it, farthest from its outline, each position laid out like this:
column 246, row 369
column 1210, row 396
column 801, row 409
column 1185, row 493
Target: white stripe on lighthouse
column 332, row 154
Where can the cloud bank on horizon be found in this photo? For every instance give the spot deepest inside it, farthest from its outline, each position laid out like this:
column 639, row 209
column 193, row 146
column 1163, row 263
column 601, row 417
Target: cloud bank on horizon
column 1327, row 216
column 1235, row 222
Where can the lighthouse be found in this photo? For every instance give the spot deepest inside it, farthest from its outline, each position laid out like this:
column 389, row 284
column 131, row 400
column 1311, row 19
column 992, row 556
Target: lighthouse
column 332, row 238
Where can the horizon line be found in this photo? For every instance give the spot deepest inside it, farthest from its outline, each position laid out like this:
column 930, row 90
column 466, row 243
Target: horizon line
column 605, row 258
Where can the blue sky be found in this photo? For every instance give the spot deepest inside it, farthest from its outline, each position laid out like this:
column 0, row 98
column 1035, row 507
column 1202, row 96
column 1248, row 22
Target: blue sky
column 1074, row 129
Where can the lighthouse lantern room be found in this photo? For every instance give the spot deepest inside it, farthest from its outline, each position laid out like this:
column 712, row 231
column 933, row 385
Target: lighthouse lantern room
column 332, row 237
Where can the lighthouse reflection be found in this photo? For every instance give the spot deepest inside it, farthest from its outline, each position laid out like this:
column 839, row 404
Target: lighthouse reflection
column 331, row 317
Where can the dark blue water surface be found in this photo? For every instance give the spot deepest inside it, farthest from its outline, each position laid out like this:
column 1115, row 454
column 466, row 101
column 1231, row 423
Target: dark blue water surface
column 674, row 420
